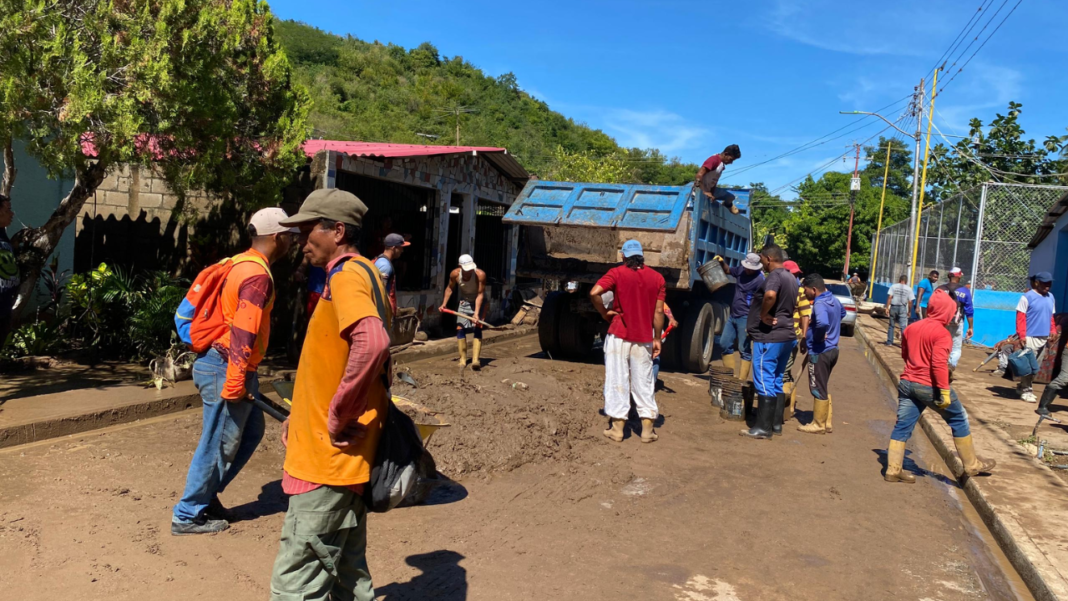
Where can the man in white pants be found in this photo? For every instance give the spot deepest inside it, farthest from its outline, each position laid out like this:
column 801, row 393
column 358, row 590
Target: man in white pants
column 633, row 341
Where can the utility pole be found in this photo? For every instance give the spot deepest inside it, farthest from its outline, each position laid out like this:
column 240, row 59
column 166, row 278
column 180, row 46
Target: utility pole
column 457, row 111
column 879, row 228
column 923, row 183
column 914, row 224
column 854, row 186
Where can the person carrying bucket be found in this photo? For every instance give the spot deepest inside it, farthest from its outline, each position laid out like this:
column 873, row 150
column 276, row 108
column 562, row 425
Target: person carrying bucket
column 748, row 277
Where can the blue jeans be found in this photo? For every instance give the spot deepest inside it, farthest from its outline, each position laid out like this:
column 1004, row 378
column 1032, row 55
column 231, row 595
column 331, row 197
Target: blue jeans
column 957, row 330
column 913, row 398
column 734, row 332
column 769, row 363
column 898, row 317
column 656, row 369
column 231, row 432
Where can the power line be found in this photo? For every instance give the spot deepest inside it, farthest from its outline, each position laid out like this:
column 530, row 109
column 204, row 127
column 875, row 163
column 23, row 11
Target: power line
column 960, row 37
column 961, row 69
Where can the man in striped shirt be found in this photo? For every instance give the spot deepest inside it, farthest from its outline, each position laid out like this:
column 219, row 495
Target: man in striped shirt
column 802, row 312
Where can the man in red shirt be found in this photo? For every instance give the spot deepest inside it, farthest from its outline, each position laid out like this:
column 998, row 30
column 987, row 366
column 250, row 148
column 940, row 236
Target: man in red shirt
column 925, row 347
column 709, row 173
column 633, row 340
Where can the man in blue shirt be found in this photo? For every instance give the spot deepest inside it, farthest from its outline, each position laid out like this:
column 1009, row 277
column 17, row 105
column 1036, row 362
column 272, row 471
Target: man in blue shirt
column 394, row 247
column 748, row 278
column 1034, row 326
column 922, row 292
column 821, row 342
column 965, row 310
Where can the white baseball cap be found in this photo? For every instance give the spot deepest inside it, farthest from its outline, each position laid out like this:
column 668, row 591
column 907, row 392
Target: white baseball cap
column 467, row 263
column 955, row 271
column 268, row 221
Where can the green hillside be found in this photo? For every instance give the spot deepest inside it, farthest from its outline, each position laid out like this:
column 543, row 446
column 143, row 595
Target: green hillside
column 385, row 93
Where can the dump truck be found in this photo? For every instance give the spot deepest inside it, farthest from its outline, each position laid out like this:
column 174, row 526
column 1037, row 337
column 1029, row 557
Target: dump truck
column 571, row 234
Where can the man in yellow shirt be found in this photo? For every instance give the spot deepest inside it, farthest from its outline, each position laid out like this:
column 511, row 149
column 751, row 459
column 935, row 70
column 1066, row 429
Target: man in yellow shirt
column 802, row 313
column 339, row 402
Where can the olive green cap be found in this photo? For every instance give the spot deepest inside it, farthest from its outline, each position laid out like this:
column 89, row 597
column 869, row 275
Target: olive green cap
column 332, row 204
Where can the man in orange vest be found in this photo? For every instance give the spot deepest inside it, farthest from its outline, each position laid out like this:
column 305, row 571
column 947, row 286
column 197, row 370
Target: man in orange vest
column 339, row 402
column 225, row 376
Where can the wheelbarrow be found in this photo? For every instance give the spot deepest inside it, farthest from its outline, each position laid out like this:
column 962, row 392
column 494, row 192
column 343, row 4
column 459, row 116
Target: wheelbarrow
column 426, row 420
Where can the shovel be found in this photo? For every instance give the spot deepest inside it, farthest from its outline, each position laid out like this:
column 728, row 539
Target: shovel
column 471, row 318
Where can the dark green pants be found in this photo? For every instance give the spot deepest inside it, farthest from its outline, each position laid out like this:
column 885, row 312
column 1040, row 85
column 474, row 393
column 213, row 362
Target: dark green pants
column 323, row 550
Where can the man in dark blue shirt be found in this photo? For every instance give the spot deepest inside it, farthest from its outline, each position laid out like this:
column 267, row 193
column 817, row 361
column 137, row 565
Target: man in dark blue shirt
column 821, row 342
column 748, row 278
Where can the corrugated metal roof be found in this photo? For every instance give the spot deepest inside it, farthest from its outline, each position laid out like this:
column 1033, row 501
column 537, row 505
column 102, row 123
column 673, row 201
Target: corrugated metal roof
column 498, row 157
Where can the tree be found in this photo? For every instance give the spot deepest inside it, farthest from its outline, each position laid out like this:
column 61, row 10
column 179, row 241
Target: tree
column 198, row 89
column 769, row 214
column 586, row 167
column 1000, row 153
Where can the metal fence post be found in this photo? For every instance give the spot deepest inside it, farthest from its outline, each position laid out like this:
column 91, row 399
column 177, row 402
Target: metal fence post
column 926, row 239
column 956, row 237
column 938, row 242
column 978, row 239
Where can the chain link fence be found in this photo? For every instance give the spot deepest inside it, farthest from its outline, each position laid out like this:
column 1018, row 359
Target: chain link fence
column 984, row 231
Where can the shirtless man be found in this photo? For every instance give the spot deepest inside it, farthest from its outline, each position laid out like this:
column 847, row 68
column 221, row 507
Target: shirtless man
column 471, row 283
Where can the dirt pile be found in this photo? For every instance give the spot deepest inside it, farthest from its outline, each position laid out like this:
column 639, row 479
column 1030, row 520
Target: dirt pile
column 512, row 413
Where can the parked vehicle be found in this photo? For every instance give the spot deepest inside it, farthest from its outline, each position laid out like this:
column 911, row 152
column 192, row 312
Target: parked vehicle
column 841, row 291
column 571, row 235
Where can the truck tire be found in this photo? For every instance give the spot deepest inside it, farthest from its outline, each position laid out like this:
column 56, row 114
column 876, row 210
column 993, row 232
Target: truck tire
column 549, row 322
column 574, row 333
column 698, row 337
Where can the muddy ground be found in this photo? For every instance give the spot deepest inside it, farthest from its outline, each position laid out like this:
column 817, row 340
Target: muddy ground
column 543, row 507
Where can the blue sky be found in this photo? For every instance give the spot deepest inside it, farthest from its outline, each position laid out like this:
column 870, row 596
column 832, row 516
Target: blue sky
column 770, row 75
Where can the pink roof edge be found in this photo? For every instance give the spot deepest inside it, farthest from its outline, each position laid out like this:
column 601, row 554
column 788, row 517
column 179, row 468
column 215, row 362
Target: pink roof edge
column 378, row 149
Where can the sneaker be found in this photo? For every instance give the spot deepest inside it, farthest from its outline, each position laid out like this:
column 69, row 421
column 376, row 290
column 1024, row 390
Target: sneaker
column 201, row 525
column 216, row 511
column 1029, row 397
column 998, row 373
column 734, row 210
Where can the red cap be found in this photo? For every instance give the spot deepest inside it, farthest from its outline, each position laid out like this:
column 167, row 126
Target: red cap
column 792, row 267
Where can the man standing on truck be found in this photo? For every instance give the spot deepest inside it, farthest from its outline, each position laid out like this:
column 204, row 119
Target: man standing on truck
column 748, row 277
column 708, row 176
column 771, row 326
column 633, row 340
column 471, row 282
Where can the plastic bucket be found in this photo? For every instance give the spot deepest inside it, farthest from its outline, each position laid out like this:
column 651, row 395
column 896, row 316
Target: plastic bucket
column 733, row 407
column 712, row 275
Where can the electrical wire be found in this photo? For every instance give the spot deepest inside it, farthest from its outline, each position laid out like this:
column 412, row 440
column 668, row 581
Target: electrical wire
column 961, row 36
column 961, row 69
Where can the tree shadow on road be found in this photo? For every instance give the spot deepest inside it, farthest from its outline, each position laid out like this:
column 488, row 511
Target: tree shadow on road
column 911, row 466
column 270, row 501
column 443, row 579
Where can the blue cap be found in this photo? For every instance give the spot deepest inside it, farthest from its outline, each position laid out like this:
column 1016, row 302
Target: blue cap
column 632, row 248
column 1043, row 276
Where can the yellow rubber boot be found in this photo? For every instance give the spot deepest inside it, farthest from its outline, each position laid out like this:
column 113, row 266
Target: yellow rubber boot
column 476, row 351
column 648, row 434
column 820, row 409
column 745, row 370
column 830, row 414
column 615, row 430
column 973, row 465
column 788, row 389
column 462, row 345
column 895, row 458
column 728, row 361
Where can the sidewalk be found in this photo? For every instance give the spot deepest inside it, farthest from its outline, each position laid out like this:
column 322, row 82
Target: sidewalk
column 1024, row 501
column 48, row 403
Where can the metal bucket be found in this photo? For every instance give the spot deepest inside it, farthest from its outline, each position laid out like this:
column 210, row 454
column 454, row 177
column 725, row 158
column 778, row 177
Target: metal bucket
column 712, row 275
column 733, row 407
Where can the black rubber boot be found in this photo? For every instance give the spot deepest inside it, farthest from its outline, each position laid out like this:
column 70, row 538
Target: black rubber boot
column 780, row 407
column 1047, row 398
column 763, row 423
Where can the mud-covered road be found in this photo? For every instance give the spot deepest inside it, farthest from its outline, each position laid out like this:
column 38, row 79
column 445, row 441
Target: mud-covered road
column 544, row 508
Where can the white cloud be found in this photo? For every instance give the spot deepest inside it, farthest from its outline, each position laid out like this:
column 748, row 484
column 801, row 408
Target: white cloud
column 664, row 130
column 845, row 28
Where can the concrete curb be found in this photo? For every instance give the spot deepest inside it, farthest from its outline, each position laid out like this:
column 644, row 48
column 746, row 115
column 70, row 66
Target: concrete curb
column 19, row 434
column 66, row 425
column 1014, row 541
